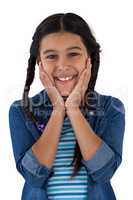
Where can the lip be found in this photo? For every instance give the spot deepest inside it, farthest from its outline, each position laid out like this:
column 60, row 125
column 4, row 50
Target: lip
column 64, row 76
column 65, row 81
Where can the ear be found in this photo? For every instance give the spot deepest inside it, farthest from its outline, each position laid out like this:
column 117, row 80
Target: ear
column 88, row 62
column 39, row 63
column 38, row 59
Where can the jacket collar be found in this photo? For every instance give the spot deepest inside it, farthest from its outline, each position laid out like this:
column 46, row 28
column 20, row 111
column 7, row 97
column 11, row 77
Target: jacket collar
column 41, row 104
column 42, row 108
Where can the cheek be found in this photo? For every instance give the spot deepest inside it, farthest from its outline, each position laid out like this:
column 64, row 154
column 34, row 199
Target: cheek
column 47, row 68
column 82, row 65
column 80, row 70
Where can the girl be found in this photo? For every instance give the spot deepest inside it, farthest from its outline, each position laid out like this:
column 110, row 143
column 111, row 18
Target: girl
column 67, row 139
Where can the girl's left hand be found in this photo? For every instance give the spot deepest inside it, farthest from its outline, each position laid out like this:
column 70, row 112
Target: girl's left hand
column 75, row 98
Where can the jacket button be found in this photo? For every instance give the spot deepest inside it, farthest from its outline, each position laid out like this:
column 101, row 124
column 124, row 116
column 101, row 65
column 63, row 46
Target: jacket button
column 91, row 112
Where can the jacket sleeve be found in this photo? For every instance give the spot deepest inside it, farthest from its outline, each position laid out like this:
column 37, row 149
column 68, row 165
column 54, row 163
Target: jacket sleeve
column 22, row 140
column 102, row 166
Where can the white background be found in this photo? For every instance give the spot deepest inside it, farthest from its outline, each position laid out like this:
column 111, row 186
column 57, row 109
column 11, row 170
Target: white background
column 112, row 26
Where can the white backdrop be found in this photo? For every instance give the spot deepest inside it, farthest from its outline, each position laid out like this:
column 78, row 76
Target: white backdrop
column 112, row 26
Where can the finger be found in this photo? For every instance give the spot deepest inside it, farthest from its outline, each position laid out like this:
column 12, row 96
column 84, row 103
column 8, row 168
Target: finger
column 49, row 76
column 87, row 78
column 45, row 79
column 85, row 85
column 89, row 65
column 86, row 82
column 78, row 87
column 85, row 72
column 52, row 80
column 40, row 67
column 82, row 76
column 79, row 84
column 44, row 74
column 88, row 71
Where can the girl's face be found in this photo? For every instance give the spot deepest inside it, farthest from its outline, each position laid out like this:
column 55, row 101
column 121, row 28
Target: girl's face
column 63, row 55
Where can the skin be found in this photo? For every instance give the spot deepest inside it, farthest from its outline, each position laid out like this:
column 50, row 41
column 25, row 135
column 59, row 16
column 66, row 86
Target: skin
column 64, row 61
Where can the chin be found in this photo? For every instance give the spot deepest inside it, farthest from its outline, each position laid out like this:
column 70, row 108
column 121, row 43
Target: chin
column 64, row 92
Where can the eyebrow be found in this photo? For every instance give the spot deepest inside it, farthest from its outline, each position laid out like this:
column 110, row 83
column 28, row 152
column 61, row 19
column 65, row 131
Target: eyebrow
column 69, row 48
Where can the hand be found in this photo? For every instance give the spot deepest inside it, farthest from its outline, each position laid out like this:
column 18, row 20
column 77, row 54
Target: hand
column 77, row 95
column 55, row 97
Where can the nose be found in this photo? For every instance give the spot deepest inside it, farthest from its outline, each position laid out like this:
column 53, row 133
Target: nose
column 63, row 65
column 62, row 62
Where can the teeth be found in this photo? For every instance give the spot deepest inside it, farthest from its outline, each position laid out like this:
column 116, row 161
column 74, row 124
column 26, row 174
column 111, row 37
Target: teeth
column 65, row 79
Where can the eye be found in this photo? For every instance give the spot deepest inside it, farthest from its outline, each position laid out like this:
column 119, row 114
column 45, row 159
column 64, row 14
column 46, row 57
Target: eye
column 51, row 56
column 74, row 54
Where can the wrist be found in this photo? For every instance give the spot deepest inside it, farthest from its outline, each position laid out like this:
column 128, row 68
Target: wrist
column 72, row 110
column 59, row 111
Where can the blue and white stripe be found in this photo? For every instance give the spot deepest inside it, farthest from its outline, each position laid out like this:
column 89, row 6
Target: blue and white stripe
column 60, row 185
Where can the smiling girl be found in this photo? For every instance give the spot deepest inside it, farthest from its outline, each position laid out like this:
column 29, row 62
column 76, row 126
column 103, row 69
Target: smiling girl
column 67, row 139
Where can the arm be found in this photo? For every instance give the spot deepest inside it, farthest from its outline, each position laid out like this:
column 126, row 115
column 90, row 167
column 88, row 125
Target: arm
column 35, row 172
column 87, row 139
column 101, row 158
column 46, row 146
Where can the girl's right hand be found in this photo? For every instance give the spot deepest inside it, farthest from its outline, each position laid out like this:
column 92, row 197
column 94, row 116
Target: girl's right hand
column 55, row 97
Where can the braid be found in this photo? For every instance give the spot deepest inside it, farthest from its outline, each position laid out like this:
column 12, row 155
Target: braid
column 29, row 80
column 95, row 57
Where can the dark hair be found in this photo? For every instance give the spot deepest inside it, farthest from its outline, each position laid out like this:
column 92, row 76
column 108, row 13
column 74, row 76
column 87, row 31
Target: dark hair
column 68, row 22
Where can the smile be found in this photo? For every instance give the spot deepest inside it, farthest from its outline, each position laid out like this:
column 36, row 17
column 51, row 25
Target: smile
column 65, row 79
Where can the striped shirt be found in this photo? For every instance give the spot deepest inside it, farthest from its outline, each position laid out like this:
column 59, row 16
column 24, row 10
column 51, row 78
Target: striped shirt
column 60, row 185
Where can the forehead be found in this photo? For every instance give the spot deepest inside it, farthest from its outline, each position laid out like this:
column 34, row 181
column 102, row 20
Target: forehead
column 61, row 40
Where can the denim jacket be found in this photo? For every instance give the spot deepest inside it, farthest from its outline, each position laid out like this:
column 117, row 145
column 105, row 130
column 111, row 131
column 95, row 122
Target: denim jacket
column 107, row 118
